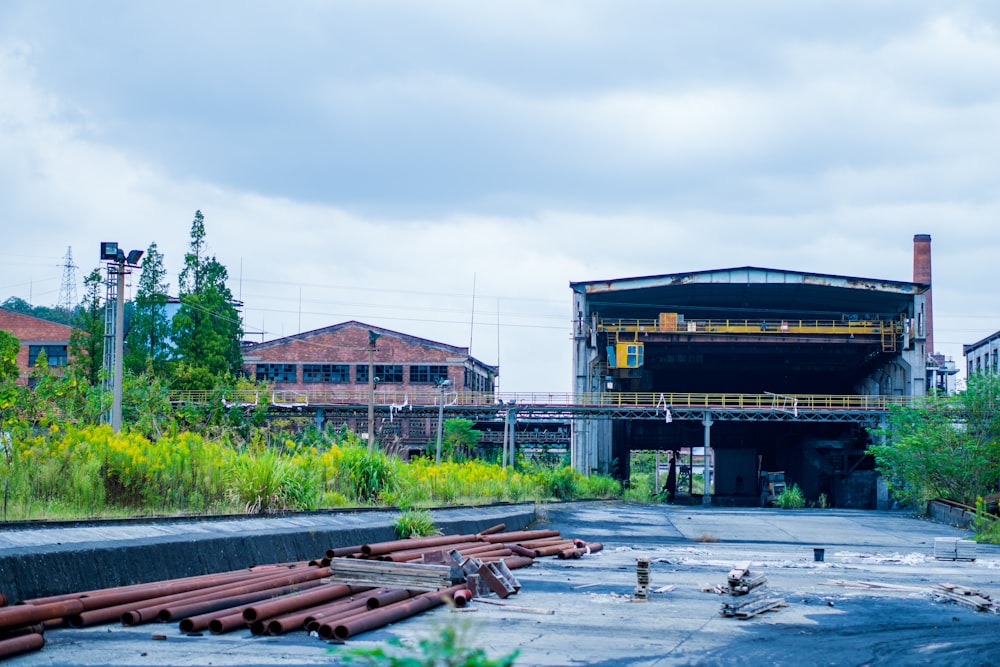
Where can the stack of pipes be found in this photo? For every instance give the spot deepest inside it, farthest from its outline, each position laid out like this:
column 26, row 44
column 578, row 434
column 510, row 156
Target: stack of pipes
column 280, row 598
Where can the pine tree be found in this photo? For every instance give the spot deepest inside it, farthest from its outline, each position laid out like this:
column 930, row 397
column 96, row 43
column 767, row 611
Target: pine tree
column 148, row 343
column 207, row 328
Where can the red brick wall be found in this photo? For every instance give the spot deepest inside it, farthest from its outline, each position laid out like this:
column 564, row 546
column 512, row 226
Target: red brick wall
column 32, row 331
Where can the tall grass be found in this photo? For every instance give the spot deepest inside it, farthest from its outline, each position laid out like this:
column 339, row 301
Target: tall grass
column 91, row 471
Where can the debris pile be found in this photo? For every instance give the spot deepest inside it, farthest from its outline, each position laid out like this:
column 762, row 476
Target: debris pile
column 349, row 591
column 945, row 592
column 747, row 595
column 970, row 597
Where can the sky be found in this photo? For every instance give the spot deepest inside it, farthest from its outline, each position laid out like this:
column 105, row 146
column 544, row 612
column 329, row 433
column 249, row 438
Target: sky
column 446, row 168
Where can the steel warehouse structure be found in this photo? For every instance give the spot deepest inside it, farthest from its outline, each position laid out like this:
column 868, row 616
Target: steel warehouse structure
column 756, row 346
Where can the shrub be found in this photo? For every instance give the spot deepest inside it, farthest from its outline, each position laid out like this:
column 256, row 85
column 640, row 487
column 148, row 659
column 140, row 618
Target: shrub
column 791, row 498
column 415, row 523
column 257, row 481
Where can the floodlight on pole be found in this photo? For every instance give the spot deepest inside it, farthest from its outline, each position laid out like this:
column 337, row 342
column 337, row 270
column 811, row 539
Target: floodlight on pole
column 118, row 264
column 442, row 385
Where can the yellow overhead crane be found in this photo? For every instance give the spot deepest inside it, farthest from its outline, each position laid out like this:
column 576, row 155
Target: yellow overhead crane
column 623, row 334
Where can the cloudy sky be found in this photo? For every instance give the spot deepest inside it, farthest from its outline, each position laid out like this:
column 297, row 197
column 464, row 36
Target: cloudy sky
column 446, row 167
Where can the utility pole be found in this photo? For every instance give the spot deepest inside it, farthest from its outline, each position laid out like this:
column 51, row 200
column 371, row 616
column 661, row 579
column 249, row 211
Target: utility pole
column 117, row 262
column 372, row 337
column 444, row 384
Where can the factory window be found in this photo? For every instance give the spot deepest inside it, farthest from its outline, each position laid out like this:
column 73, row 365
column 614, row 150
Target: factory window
column 55, row 354
column 276, row 372
column 428, row 374
column 326, row 373
column 996, row 365
column 384, row 373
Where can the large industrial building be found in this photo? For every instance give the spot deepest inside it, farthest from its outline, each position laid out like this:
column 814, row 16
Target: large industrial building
column 983, row 356
column 341, row 358
column 762, row 343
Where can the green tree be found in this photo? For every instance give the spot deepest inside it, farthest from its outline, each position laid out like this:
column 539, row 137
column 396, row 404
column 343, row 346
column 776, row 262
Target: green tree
column 148, row 343
column 86, row 341
column 9, row 347
column 458, row 439
column 948, row 447
column 19, row 305
column 207, row 328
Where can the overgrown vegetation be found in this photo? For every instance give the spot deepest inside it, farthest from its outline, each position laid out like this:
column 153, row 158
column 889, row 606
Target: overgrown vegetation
column 790, row 498
column 949, row 447
column 210, row 455
column 450, row 646
column 415, row 523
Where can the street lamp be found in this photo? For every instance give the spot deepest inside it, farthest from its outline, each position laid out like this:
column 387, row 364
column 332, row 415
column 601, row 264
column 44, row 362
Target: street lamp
column 442, row 385
column 372, row 337
column 117, row 262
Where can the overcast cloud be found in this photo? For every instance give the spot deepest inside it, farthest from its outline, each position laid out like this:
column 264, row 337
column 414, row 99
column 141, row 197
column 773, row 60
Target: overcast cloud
column 386, row 161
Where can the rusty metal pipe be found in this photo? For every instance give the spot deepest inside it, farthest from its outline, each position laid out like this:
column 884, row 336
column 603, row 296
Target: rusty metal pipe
column 341, row 552
column 521, row 535
column 578, row 551
column 296, row 601
column 201, row 621
column 391, row 596
column 520, row 551
column 552, row 550
column 326, row 628
column 545, row 542
column 227, row 623
column 499, row 528
column 31, row 641
column 196, row 581
column 108, row 614
column 125, row 600
column 462, row 597
column 333, row 613
column 403, row 555
column 18, row 615
column 279, row 625
column 383, row 616
column 481, row 547
column 224, row 600
column 380, row 548
column 512, row 562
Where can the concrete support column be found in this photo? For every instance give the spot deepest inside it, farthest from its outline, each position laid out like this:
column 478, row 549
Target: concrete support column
column 706, row 498
column 320, row 419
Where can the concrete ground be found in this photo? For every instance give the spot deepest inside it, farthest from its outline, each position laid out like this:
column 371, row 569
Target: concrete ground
column 580, row 612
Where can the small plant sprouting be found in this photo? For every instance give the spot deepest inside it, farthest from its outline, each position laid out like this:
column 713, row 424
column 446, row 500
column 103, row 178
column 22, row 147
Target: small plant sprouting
column 415, row 523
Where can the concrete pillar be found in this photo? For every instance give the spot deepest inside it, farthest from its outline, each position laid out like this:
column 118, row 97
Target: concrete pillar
column 320, row 419
column 706, row 498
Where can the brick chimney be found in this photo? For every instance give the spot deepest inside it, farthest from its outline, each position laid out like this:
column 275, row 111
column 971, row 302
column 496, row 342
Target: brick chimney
column 922, row 274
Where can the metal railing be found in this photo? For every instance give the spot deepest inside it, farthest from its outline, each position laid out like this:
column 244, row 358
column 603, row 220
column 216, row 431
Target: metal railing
column 401, row 400
column 834, row 327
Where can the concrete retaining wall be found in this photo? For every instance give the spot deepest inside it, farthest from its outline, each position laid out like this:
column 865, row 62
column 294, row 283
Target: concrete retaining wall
column 955, row 516
column 51, row 569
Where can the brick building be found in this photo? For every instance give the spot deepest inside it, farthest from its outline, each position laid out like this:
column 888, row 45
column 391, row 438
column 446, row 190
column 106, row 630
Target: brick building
column 336, row 359
column 36, row 335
